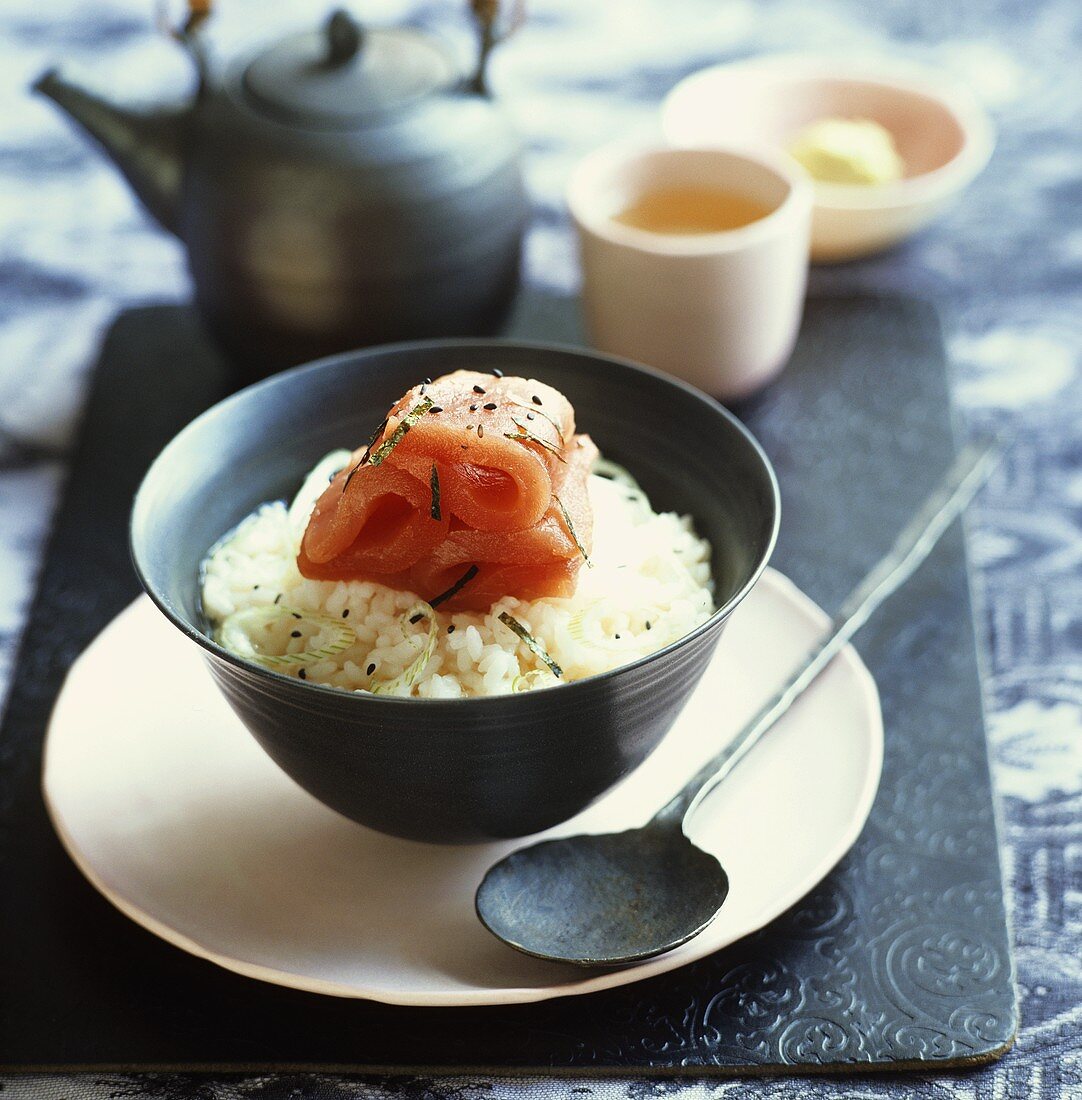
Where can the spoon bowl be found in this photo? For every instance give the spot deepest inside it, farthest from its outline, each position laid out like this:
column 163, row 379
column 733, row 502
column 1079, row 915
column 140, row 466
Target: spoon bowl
column 603, row 900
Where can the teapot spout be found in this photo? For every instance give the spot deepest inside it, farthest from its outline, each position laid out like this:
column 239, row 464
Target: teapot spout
column 145, row 147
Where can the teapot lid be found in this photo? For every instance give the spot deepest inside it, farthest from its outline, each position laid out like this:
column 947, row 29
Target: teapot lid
column 340, row 76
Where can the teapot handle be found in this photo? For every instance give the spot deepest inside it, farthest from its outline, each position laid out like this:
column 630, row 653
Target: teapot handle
column 187, row 34
column 485, row 15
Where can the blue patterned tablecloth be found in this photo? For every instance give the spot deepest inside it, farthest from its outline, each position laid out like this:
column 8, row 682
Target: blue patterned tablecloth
column 1004, row 267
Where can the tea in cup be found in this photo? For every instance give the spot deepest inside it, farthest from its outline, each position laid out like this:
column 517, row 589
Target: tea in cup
column 694, row 261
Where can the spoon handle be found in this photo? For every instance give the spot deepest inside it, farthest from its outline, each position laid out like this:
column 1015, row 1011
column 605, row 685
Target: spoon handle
column 969, row 472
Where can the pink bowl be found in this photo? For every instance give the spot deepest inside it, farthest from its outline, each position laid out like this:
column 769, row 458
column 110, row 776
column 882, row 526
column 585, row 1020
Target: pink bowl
column 942, row 134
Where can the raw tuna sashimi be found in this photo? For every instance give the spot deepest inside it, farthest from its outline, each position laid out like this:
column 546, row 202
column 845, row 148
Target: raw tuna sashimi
column 471, row 474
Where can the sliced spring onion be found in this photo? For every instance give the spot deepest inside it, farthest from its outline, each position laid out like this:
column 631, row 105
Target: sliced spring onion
column 605, row 467
column 239, row 633
column 532, row 643
column 535, row 678
column 403, row 683
column 576, row 627
column 384, row 449
column 571, row 531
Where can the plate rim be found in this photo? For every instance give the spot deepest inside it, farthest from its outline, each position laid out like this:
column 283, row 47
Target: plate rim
column 474, row 998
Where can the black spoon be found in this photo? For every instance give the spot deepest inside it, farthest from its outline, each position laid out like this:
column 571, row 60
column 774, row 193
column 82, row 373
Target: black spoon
column 622, row 897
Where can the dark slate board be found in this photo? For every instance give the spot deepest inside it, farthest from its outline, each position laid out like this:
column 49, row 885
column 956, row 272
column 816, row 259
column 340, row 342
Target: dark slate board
column 900, row 959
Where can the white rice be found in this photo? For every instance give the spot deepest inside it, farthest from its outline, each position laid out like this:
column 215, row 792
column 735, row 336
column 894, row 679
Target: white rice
column 650, row 584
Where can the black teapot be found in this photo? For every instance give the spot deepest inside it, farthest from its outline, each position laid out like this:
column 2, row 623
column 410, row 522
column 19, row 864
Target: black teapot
column 342, row 187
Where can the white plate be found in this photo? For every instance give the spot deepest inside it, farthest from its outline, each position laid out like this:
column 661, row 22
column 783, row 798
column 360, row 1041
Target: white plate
column 175, row 814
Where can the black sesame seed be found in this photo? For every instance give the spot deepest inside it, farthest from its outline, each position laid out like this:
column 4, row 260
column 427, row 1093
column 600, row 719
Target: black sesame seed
column 617, row 637
column 254, row 587
column 345, row 614
column 435, row 409
column 302, row 674
column 371, row 669
column 530, row 416
column 535, row 399
column 473, row 408
column 490, row 406
column 465, row 446
column 648, row 626
column 478, row 389
column 480, row 431
column 295, row 615
column 451, row 629
column 294, row 633
column 497, row 372
column 414, row 619
column 428, row 381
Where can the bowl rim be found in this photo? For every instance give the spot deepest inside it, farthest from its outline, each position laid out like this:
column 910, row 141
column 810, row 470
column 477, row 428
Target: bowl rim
column 272, row 677
column 894, row 74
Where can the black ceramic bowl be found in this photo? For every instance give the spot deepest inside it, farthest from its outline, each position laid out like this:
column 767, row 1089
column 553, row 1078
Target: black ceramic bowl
column 462, row 769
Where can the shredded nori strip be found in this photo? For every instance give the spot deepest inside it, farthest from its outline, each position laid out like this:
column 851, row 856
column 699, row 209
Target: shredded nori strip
column 414, row 619
column 571, row 530
column 527, row 436
column 434, row 482
column 532, row 643
column 367, row 451
column 455, row 588
column 396, row 437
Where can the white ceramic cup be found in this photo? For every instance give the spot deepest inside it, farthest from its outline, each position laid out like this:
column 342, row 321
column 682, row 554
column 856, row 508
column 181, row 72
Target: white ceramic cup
column 719, row 310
